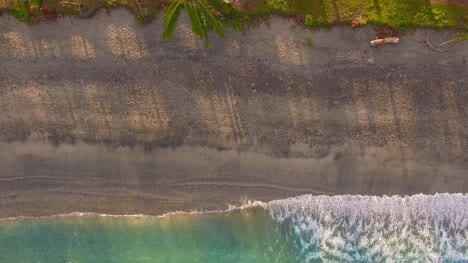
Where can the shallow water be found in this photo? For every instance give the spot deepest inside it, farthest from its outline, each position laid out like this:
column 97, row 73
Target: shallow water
column 303, row 229
column 241, row 236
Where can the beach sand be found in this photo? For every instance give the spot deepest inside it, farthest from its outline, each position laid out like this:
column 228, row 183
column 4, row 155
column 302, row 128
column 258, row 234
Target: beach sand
column 100, row 115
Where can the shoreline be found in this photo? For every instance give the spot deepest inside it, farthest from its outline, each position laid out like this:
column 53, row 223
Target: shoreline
column 249, row 205
column 47, row 180
column 230, row 209
column 103, row 116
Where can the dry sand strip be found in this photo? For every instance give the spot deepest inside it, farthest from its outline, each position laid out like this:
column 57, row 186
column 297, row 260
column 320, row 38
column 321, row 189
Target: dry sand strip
column 100, row 115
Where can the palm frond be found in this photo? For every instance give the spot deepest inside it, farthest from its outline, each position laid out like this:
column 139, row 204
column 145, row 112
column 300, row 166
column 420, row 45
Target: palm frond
column 211, row 18
column 197, row 25
column 220, row 6
column 170, row 19
column 204, row 15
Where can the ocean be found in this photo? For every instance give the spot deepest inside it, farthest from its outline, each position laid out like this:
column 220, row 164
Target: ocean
column 347, row 228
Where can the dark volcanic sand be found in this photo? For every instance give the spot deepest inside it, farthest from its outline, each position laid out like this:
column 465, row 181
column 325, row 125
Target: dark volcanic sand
column 102, row 116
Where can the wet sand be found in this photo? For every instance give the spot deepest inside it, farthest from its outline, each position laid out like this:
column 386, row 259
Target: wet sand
column 100, row 115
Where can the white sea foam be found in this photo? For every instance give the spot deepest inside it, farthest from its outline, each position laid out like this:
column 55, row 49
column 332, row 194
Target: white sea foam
column 245, row 205
column 419, row 228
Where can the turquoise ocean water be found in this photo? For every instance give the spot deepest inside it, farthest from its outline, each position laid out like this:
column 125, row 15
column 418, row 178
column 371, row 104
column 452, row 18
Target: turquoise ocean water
column 420, row 228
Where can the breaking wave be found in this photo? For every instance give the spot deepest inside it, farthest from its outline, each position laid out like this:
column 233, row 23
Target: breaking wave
column 419, row 228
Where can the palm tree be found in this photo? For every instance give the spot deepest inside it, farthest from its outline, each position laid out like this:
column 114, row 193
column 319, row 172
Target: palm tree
column 204, row 15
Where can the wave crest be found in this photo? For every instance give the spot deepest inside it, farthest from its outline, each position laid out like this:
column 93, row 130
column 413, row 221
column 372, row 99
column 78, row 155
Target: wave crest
column 418, row 228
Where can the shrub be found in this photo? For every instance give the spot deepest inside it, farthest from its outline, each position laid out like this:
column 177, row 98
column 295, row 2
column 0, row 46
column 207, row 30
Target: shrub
column 278, row 5
column 309, row 20
column 20, row 10
column 440, row 18
column 35, row 3
column 112, row 3
column 400, row 16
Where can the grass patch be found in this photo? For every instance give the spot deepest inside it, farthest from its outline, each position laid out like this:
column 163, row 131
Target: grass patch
column 20, row 10
column 399, row 14
column 463, row 36
column 309, row 42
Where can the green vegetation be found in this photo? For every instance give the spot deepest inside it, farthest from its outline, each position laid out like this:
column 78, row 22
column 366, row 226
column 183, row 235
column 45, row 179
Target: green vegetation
column 463, row 36
column 204, row 15
column 20, row 10
column 207, row 15
column 309, row 20
column 35, row 3
column 399, row 14
column 309, row 42
column 112, row 2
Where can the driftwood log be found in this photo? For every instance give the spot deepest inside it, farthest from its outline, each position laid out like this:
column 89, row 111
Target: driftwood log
column 386, row 40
